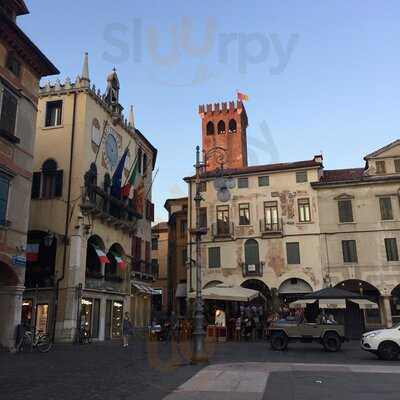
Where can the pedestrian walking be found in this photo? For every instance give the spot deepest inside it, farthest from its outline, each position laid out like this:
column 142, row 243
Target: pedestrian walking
column 127, row 329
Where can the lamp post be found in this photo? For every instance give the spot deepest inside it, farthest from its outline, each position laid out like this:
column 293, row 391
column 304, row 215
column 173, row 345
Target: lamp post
column 199, row 354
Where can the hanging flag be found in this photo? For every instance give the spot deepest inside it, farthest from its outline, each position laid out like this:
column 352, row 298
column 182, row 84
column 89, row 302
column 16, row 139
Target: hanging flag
column 120, row 262
column 242, row 96
column 117, row 177
column 126, row 189
column 32, row 252
column 101, row 255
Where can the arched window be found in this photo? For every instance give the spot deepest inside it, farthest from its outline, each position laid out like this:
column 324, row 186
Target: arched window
column 251, row 253
column 116, row 263
column 221, row 127
column 95, row 257
column 47, row 184
column 232, row 126
column 49, row 165
column 210, row 128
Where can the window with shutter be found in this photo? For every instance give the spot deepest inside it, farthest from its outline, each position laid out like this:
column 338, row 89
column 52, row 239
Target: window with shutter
column 391, row 249
column 380, row 167
column 203, row 217
column 53, row 113
column 4, row 188
column 214, row 257
column 301, row 176
column 385, row 204
column 244, row 214
column 263, row 180
column 397, row 165
column 59, row 184
column 304, row 210
column 349, row 249
column 345, row 211
column 293, row 252
column 243, row 183
column 36, row 185
column 8, row 116
column 251, row 252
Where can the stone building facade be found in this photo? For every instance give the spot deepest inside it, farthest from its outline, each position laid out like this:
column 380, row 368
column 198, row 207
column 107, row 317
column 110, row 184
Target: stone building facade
column 276, row 227
column 89, row 244
column 22, row 65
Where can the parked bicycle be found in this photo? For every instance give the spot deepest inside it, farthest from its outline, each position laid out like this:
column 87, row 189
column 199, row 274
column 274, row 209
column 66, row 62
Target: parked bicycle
column 41, row 341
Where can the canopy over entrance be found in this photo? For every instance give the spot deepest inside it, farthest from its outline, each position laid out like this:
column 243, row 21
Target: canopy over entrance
column 228, row 293
column 332, row 293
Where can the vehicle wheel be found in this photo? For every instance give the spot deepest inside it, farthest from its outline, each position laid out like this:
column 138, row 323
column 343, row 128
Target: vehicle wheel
column 388, row 351
column 279, row 341
column 44, row 344
column 331, row 342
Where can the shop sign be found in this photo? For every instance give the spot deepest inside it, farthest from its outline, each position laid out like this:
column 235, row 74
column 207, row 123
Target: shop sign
column 251, row 268
column 18, row 261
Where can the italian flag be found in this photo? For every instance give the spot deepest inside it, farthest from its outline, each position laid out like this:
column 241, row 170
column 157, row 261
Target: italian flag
column 126, row 189
column 102, row 256
column 120, row 262
column 32, row 252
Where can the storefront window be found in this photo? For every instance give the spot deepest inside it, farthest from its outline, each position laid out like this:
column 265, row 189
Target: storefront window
column 42, row 317
column 96, row 318
column 86, row 315
column 26, row 316
column 117, row 315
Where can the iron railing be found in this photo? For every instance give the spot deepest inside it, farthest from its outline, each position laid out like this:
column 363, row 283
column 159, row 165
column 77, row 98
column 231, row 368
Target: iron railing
column 222, row 229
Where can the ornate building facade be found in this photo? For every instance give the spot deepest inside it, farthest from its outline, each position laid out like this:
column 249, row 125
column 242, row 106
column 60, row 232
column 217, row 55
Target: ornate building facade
column 89, row 240
column 22, row 65
column 292, row 228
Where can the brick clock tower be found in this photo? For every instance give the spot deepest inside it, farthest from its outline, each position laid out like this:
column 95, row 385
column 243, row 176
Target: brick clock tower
column 224, row 125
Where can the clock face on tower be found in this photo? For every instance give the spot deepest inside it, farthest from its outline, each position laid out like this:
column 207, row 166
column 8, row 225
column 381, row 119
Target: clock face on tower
column 111, row 150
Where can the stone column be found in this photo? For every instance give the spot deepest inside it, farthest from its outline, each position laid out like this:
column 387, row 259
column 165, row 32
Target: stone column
column 10, row 311
column 386, row 311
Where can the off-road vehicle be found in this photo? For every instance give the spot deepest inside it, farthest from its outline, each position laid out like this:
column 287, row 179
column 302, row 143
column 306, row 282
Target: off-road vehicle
column 331, row 336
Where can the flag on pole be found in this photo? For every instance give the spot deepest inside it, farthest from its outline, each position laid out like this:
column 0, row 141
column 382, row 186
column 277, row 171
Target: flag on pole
column 126, row 189
column 242, row 96
column 117, row 177
column 101, row 255
column 32, row 252
column 120, row 262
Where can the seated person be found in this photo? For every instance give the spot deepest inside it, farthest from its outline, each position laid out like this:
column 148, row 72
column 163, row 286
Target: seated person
column 331, row 319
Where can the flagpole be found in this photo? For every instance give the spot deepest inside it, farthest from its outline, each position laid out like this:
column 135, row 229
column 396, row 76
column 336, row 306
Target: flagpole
column 152, row 181
column 130, row 171
column 101, row 140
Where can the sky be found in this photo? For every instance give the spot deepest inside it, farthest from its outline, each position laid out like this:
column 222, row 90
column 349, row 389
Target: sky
column 321, row 76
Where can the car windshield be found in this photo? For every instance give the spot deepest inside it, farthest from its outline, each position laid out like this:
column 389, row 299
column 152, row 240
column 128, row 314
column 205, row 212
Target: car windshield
column 396, row 325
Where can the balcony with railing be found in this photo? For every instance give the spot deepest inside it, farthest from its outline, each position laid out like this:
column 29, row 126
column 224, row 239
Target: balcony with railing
column 222, row 230
column 249, row 270
column 108, row 282
column 144, row 270
column 101, row 204
column 271, row 228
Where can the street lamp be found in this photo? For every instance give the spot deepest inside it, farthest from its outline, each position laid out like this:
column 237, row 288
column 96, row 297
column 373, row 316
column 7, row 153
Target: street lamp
column 199, row 353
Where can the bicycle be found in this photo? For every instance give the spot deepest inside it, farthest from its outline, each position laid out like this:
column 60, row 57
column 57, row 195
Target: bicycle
column 40, row 341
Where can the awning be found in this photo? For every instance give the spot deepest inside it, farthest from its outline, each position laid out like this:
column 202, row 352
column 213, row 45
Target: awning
column 227, row 293
column 365, row 304
column 181, row 290
column 301, row 303
column 144, row 288
column 332, row 303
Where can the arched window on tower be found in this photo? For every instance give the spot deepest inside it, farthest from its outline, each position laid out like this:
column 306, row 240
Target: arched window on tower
column 221, row 127
column 210, row 128
column 232, row 126
column 48, row 183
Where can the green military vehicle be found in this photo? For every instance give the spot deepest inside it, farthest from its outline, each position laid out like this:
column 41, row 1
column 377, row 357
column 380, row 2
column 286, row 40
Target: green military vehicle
column 281, row 332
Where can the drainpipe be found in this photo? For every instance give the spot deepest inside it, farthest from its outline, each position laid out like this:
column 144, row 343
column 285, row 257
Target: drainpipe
column 64, row 262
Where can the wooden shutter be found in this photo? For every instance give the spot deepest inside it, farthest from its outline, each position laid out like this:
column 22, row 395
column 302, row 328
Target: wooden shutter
column 8, row 112
column 293, row 253
column 345, row 211
column 58, row 184
column 36, row 178
column 214, row 257
column 386, row 208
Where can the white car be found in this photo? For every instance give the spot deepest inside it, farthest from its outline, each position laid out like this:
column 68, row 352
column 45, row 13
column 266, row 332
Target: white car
column 385, row 343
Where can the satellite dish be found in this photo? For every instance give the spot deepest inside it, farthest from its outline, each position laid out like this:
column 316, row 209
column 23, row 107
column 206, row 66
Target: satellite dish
column 219, row 183
column 230, row 183
column 223, row 195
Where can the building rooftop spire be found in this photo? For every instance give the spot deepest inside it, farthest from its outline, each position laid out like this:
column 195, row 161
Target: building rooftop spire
column 131, row 119
column 85, row 68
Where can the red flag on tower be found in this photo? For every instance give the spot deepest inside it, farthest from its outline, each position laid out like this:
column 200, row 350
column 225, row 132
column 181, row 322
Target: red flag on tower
column 242, row 96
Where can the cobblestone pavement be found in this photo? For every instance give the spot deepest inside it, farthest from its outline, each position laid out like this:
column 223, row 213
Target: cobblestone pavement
column 151, row 370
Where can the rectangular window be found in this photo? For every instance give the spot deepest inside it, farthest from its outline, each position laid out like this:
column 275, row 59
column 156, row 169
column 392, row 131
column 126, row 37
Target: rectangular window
column 349, row 248
column 380, row 167
column 214, row 257
column 223, row 220
column 203, row 187
column 52, row 184
column 8, row 115
column 154, row 243
column 271, row 215
column 4, row 188
column 244, row 214
column 53, row 113
column 243, row 183
column 385, row 204
column 203, row 217
column 13, row 64
column 293, row 252
column 391, row 249
column 301, row 176
column 345, row 211
column 397, row 165
column 304, row 210
column 154, row 267
column 183, row 228
column 263, row 181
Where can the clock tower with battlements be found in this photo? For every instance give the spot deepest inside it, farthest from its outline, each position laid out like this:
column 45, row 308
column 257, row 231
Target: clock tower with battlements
column 224, row 124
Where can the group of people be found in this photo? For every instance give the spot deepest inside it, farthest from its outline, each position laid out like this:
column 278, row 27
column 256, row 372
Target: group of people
column 249, row 324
